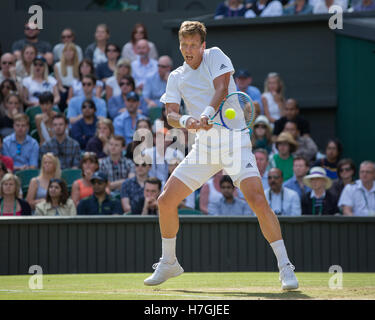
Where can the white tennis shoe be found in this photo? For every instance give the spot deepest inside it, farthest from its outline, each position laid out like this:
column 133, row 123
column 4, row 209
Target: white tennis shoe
column 288, row 278
column 163, row 271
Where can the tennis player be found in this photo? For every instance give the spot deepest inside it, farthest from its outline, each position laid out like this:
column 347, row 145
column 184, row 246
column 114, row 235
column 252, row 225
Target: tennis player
column 204, row 79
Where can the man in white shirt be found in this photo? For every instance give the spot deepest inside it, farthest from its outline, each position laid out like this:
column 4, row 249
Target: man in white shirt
column 358, row 199
column 283, row 201
column 203, row 81
column 143, row 67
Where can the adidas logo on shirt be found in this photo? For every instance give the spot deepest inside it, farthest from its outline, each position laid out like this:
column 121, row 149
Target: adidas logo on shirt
column 223, row 66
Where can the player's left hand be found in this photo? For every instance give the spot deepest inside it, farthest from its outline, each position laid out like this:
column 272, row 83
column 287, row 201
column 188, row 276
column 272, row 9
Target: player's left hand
column 204, row 123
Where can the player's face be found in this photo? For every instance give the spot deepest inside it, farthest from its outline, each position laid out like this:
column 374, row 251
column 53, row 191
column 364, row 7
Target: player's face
column 192, row 50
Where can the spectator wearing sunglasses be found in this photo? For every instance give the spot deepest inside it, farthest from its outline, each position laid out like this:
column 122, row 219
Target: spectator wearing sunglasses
column 100, row 203
column 8, row 68
column 106, row 69
column 112, row 89
column 23, row 149
column 83, row 130
column 67, row 36
column 74, row 113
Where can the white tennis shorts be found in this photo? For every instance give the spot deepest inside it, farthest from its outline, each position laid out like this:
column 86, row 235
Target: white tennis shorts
column 207, row 157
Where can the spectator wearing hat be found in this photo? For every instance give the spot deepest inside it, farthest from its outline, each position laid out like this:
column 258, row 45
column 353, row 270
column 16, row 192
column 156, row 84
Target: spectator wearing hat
column 292, row 113
column 285, row 145
column 306, row 146
column 283, row 201
column 39, row 81
column 83, row 130
column 126, row 122
column 100, row 203
column 300, row 170
column 318, row 201
column 117, row 104
column 358, row 199
column 262, row 134
column 74, row 113
column 243, row 81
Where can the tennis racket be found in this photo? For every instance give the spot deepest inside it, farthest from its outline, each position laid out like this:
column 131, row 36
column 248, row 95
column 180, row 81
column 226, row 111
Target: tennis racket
column 236, row 112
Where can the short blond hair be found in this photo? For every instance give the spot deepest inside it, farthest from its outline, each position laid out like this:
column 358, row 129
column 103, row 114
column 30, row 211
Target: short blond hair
column 55, row 161
column 7, row 177
column 191, row 28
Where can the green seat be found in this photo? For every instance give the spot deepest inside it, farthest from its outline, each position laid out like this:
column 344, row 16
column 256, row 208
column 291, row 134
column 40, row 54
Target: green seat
column 189, row 211
column 25, row 177
column 71, row 175
column 154, row 113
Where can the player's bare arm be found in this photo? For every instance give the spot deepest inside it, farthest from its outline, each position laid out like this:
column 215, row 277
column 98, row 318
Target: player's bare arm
column 221, row 84
column 174, row 116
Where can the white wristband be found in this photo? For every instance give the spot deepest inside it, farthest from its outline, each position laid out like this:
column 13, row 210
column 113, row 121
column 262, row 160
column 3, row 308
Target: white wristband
column 183, row 120
column 208, row 112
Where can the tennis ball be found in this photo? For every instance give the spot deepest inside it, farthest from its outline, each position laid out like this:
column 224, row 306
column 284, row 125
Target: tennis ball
column 230, row 113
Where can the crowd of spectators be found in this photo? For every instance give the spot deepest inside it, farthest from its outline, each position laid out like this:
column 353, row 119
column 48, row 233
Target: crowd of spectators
column 65, row 109
column 276, row 8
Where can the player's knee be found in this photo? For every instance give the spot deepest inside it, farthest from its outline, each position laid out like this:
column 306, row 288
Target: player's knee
column 164, row 201
column 258, row 203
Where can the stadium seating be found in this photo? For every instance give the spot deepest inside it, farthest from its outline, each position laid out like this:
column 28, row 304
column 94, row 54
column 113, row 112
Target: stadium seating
column 154, row 113
column 71, row 175
column 25, row 177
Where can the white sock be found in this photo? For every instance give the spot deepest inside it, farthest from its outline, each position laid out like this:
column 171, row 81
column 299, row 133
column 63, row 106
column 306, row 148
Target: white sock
column 168, row 249
column 280, row 253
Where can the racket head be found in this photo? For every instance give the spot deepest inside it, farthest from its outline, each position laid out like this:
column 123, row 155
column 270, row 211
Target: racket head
column 241, row 106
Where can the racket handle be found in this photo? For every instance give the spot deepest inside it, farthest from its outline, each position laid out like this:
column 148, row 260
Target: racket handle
column 211, row 122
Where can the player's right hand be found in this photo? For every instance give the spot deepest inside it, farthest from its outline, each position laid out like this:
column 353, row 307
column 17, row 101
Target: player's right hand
column 204, row 123
column 193, row 124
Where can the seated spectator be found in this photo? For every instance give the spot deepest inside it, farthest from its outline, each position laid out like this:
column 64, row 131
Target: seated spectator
column 50, row 168
column 318, row 201
column 99, row 144
column 38, row 82
column 132, row 189
column 345, row 173
column 105, row 69
column 306, row 146
column 283, row 201
column 228, row 205
column 243, row 81
column 32, row 32
column 142, row 128
column 273, row 100
column 358, row 199
column 230, row 9
column 116, row 166
column 83, row 130
column 8, row 68
column 299, row 7
column 331, row 159
column 262, row 134
column 7, row 87
column 261, row 156
column 11, row 204
column 151, row 193
column 125, row 123
column 74, row 113
column 322, row 6
column 43, row 121
column 82, row 188
column 117, row 104
column 139, row 32
column 100, row 203
column 365, row 5
column 61, row 145
column 7, row 161
column 23, row 65
column 57, row 201
column 96, row 50
column 300, row 170
column 86, row 67
column 143, row 67
column 156, row 84
column 113, row 87
column 264, row 8
column 66, row 71
column 23, row 149
column 292, row 113
column 285, row 145
column 67, row 36
column 210, row 194
column 12, row 107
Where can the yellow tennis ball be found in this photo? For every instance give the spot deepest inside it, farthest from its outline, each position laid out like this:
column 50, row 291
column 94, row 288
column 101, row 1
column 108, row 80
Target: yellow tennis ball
column 230, row 113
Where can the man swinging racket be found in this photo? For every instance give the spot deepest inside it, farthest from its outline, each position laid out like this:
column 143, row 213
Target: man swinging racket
column 203, row 81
